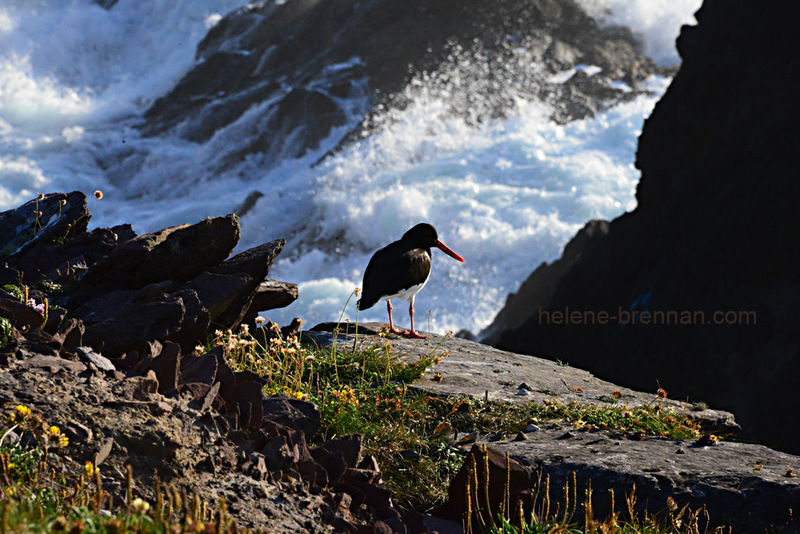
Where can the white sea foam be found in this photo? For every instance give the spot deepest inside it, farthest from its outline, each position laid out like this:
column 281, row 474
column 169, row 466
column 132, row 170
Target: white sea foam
column 506, row 194
column 657, row 22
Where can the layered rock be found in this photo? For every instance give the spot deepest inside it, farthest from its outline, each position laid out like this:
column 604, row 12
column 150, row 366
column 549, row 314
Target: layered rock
column 713, row 234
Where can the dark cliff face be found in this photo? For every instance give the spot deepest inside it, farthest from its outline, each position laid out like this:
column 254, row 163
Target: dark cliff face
column 715, row 231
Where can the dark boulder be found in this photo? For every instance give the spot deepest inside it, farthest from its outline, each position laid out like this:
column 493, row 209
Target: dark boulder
column 270, row 295
column 177, row 253
column 228, row 289
column 151, row 315
column 293, row 413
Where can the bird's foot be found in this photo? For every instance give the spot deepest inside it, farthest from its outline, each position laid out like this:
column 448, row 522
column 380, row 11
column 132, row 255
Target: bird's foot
column 414, row 335
column 393, row 330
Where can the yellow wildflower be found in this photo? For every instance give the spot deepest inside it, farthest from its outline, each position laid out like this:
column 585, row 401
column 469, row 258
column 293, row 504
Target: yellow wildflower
column 98, row 194
column 90, row 469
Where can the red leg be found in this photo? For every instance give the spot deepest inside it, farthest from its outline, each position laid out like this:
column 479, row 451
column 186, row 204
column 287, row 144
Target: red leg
column 412, row 333
column 392, row 329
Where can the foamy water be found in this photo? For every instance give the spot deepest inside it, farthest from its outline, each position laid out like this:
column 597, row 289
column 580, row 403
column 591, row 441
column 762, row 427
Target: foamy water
column 506, row 195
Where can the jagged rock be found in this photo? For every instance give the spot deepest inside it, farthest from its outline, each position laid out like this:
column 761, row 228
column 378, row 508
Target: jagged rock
column 40, row 220
column 151, row 315
column 294, row 413
column 742, row 482
column 333, row 463
column 51, row 363
column 60, row 261
column 540, row 285
column 177, row 253
column 245, row 400
column 506, row 475
column 166, row 366
column 70, row 335
column 200, row 369
column 713, row 233
column 220, row 293
column 255, row 263
column 140, row 388
column 55, row 317
column 98, row 360
column 270, row 295
column 351, row 447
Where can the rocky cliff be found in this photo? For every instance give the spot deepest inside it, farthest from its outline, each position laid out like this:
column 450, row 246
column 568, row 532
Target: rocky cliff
column 714, row 231
column 284, row 75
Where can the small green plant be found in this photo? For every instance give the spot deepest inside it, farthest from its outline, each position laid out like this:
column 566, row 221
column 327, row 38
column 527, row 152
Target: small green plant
column 46, row 285
column 5, row 333
column 14, row 290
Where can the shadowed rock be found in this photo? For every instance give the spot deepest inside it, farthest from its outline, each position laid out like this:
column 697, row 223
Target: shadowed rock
column 742, row 482
column 270, row 295
column 229, row 288
column 61, row 261
column 21, row 315
column 712, row 240
column 149, row 316
column 293, row 413
column 177, row 253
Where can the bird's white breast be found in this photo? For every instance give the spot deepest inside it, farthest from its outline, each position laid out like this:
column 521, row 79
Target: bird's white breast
column 407, row 294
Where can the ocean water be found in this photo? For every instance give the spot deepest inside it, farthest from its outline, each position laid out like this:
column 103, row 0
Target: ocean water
column 505, row 194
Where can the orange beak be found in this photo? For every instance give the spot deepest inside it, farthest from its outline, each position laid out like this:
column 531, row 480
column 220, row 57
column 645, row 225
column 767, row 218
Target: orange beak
column 444, row 248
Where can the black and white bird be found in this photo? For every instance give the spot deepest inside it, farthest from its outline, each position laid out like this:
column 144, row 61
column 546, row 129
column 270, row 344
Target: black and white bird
column 400, row 270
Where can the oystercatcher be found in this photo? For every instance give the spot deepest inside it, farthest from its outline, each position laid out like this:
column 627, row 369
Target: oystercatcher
column 401, row 269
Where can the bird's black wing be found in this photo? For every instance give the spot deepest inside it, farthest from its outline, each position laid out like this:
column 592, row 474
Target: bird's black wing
column 392, row 269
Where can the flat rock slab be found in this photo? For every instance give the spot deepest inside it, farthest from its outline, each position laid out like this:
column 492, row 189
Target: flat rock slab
column 741, row 482
column 748, row 484
column 478, row 370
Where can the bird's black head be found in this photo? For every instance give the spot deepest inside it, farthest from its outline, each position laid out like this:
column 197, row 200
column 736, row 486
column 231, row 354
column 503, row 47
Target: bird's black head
column 422, row 235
